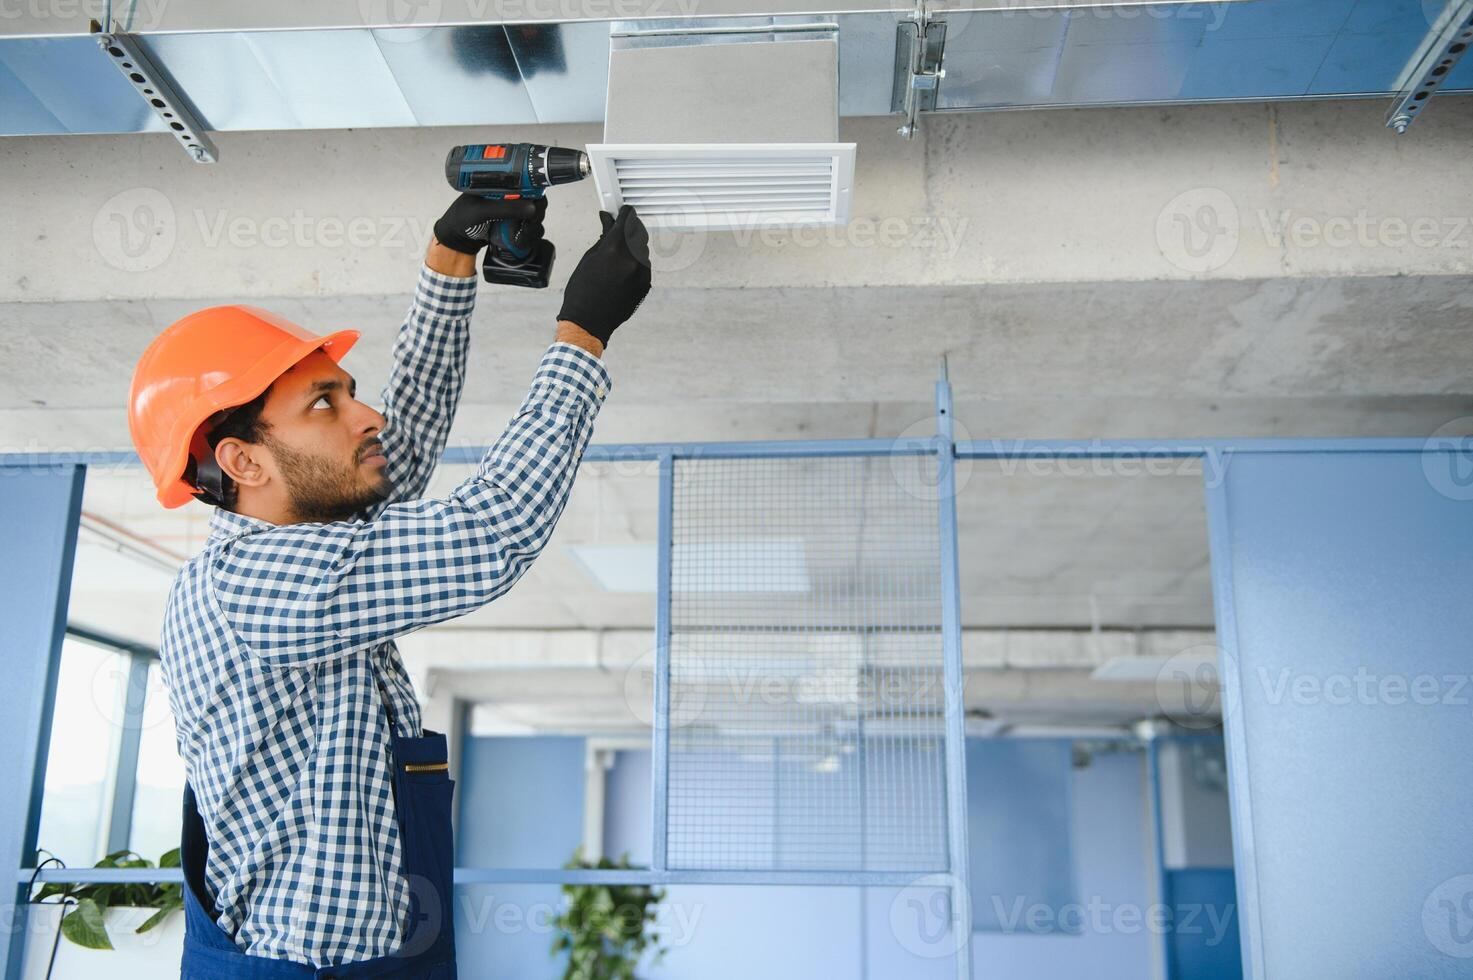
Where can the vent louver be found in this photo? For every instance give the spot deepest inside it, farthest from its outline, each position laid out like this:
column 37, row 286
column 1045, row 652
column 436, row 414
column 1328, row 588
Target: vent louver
column 726, row 185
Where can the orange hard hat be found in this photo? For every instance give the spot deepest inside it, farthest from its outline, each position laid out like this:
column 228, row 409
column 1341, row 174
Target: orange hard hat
column 215, row 359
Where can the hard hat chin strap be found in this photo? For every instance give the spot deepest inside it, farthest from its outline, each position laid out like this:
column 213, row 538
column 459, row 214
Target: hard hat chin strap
column 207, row 476
column 203, row 472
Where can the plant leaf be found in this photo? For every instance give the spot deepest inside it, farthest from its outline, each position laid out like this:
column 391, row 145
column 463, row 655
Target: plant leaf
column 159, row 916
column 50, row 888
column 83, row 926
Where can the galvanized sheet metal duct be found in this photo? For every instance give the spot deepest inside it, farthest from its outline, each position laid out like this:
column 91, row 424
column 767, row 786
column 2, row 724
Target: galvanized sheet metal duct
column 283, row 65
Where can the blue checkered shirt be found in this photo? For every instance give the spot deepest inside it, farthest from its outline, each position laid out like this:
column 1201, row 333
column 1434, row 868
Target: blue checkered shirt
column 278, row 644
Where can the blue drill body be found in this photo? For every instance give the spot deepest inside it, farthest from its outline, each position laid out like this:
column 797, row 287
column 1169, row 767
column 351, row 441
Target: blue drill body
column 509, row 171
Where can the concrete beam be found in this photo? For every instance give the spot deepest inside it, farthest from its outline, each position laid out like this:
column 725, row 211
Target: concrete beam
column 1236, row 191
column 1112, row 272
column 1235, row 358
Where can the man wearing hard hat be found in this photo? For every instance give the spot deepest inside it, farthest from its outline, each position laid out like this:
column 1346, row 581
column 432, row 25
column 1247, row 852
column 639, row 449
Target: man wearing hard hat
column 317, row 836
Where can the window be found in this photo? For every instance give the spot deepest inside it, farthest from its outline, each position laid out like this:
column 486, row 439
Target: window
column 113, row 776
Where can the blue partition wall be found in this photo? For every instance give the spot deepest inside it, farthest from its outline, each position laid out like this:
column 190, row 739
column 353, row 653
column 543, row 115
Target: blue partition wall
column 1344, row 579
column 1205, row 942
column 1345, row 613
column 39, row 511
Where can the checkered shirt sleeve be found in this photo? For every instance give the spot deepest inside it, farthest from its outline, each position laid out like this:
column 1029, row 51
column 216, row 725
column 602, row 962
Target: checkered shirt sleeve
column 302, row 593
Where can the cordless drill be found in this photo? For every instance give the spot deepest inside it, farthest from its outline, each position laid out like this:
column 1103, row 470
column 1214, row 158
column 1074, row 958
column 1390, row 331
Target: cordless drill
column 506, row 172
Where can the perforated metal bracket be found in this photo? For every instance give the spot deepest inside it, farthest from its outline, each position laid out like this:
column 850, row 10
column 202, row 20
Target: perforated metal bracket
column 1433, row 61
column 154, row 88
column 919, row 45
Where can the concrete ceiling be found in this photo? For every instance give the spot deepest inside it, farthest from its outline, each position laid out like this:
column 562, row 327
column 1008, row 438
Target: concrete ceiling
column 1049, row 256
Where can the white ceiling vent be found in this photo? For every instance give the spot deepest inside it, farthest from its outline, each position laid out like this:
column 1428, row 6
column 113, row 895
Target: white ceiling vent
column 729, row 123
column 726, row 185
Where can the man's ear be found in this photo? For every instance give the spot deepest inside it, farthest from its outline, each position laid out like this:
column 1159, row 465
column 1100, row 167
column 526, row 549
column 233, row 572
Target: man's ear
column 241, row 461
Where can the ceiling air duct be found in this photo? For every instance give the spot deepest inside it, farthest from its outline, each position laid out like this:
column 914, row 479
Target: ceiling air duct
column 727, row 126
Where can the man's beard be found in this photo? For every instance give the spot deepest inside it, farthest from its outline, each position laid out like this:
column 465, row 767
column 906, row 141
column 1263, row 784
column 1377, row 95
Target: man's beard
column 320, row 492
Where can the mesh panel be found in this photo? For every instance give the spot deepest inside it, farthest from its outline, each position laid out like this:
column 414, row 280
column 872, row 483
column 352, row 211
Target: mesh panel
column 806, row 710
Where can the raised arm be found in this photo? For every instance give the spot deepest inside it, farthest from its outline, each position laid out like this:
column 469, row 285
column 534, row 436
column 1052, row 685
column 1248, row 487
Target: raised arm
column 428, row 373
column 300, row 593
column 425, row 382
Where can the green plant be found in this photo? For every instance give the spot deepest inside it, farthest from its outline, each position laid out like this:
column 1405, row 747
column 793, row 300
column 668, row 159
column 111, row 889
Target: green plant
column 603, row 927
column 83, row 924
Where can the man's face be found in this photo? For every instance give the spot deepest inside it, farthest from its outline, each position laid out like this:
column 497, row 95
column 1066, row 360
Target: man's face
column 325, row 442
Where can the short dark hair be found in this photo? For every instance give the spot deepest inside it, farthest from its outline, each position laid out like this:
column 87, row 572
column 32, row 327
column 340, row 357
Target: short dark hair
column 244, row 423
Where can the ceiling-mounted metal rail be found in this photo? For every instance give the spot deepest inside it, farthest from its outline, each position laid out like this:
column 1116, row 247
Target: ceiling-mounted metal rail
column 1433, row 61
column 154, row 88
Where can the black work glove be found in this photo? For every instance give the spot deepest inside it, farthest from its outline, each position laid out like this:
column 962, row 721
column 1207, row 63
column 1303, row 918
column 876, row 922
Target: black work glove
column 471, row 221
column 612, row 278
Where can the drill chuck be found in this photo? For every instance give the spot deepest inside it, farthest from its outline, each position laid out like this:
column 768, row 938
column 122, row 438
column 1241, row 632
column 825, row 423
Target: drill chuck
column 561, row 165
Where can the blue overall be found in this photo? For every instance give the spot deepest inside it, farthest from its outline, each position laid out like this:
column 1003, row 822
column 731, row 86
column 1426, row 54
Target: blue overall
column 422, row 790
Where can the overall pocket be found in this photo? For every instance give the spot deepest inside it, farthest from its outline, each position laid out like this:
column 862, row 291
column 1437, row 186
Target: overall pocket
column 424, row 792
